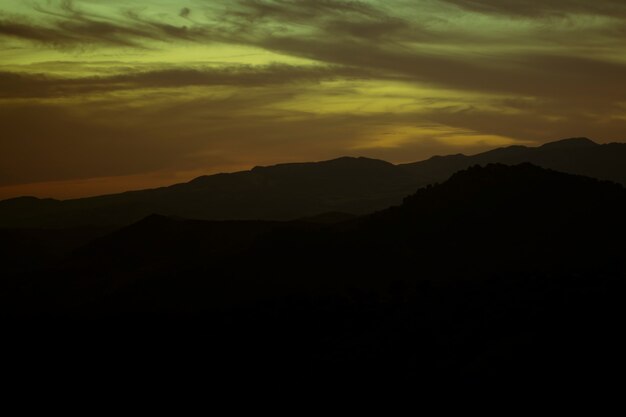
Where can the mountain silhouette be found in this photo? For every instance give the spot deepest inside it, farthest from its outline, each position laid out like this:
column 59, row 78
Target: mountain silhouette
column 281, row 192
column 501, row 274
column 574, row 156
column 298, row 190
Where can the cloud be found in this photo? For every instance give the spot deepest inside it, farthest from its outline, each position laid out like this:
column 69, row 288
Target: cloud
column 27, row 85
column 339, row 20
column 66, row 26
column 185, row 12
column 531, row 8
column 300, row 10
column 387, row 42
column 541, row 123
column 530, row 74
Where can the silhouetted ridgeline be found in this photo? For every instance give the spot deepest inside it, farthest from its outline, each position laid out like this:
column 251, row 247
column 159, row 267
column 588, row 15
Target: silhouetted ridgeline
column 574, row 156
column 291, row 191
column 282, row 192
column 502, row 274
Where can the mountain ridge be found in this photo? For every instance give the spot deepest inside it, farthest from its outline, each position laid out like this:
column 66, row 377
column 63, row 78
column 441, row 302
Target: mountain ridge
column 581, row 141
column 353, row 185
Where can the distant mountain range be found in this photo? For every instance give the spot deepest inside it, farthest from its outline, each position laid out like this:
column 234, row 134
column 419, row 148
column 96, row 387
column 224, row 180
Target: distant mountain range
column 580, row 156
column 518, row 219
column 291, row 191
column 505, row 274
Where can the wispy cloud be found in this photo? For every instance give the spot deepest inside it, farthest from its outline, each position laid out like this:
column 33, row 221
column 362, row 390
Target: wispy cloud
column 62, row 24
column 28, row 85
column 550, row 8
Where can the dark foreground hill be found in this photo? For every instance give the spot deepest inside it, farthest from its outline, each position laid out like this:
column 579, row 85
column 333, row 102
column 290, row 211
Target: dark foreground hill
column 291, row 191
column 502, row 274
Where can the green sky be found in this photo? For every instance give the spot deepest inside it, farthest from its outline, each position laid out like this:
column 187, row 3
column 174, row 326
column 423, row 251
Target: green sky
column 105, row 96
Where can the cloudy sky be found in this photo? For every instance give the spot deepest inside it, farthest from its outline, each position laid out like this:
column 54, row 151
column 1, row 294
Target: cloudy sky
column 105, row 96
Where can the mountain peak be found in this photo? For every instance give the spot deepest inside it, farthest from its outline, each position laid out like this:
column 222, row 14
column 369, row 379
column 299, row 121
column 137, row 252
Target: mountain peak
column 358, row 160
column 570, row 143
column 344, row 160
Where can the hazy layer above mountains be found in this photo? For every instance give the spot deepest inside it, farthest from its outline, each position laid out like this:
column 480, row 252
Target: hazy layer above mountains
column 290, row 191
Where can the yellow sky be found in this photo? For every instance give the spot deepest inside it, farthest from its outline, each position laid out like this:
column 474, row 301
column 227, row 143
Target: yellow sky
column 99, row 97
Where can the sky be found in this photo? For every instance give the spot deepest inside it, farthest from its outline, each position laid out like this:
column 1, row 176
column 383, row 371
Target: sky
column 99, row 97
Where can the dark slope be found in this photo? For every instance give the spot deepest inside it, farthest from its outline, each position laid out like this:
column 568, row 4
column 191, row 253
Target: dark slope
column 482, row 222
column 579, row 156
column 281, row 192
column 32, row 249
column 503, row 275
